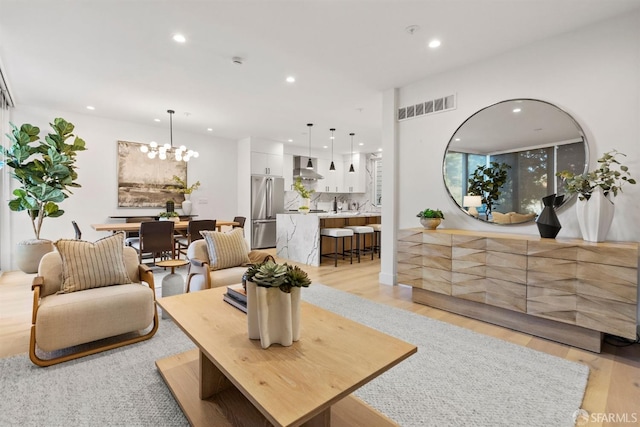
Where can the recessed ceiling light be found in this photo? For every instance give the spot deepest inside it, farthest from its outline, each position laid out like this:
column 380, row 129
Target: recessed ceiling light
column 380, row 149
column 156, row 120
column 90, row 107
column 517, row 110
column 325, row 146
column 362, row 143
column 289, row 140
column 457, row 139
column 179, row 38
column 291, row 79
column 434, row 43
column 210, row 129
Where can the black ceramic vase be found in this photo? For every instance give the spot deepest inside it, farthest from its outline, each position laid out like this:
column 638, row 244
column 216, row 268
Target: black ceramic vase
column 548, row 222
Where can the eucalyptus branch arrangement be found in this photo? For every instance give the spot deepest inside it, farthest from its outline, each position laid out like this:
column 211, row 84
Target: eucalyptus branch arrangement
column 610, row 176
column 182, row 186
column 302, row 190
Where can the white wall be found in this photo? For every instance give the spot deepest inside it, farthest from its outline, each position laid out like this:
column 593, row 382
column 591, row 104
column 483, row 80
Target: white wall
column 593, row 74
column 96, row 200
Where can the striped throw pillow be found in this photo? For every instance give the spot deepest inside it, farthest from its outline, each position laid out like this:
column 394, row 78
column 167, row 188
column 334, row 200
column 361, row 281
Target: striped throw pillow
column 226, row 250
column 87, row 265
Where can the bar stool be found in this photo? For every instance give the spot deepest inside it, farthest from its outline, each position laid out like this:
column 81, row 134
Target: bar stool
column 361, row 231
column 335, row 234
column 377, row 228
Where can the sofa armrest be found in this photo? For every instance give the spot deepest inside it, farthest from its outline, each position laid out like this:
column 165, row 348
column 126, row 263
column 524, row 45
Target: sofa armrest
column 36, row 285
column 146, row 275
column 257, row 257
column 198, row 266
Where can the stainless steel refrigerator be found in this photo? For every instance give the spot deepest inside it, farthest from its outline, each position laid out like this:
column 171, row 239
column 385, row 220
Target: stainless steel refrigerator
column 267, row 200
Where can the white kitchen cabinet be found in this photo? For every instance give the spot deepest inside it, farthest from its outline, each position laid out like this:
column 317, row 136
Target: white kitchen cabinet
column 266, row 164
column 333, row 181
column 287, row 171
column 355, row 182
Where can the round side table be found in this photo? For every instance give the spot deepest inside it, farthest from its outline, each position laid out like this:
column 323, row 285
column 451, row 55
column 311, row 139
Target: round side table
column 172, row 284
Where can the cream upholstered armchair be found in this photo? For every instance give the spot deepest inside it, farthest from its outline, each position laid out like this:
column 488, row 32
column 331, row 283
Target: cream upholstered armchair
column 77, row 302
column 220, row 259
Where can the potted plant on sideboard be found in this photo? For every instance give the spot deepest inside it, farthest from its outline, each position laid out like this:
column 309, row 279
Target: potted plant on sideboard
column 46, row 171
column 430, row 218
column 596, row 190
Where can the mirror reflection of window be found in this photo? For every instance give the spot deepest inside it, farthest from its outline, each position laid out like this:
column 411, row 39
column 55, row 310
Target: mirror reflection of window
column 377, row 181
column 535, row 138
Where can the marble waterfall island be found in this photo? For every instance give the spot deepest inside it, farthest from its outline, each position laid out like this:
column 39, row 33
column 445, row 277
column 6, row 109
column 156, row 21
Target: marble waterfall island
column 298, row 236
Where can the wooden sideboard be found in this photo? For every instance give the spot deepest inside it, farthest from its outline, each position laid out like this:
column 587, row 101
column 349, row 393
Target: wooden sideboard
column 566, row 290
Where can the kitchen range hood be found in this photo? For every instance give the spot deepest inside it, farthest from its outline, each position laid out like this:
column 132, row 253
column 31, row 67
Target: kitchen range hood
column 300, row 168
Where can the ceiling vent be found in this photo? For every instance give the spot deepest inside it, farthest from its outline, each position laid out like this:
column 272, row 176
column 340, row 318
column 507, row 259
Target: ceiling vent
column 437, row 105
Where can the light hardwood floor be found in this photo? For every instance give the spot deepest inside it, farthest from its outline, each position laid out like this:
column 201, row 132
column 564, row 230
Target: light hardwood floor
column 614, row 380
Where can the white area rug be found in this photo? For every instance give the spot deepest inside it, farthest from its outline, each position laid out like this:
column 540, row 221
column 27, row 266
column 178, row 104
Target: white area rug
column 457, row 378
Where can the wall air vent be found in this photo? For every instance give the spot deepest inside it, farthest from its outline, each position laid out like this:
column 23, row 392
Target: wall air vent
column 426, row 108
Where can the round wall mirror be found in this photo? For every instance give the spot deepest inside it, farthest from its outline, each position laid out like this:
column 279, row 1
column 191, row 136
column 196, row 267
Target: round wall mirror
column 503, row 160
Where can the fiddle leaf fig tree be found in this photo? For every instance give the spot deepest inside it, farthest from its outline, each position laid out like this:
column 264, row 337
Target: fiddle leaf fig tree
column 45, row 169
column 487, row 182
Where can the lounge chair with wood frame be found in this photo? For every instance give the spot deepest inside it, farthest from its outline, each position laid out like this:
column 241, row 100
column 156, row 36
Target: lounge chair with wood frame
column 64, row 320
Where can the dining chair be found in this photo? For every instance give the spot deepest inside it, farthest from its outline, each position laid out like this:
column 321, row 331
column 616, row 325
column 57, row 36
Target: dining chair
column 76, row 229
column 240, row 220
column 193, row 233
column 137, row 219
column 156, row 240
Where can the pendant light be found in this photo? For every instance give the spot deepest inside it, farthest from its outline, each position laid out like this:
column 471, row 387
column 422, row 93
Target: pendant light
column 309, row 162
column 180, row 153
column 332, row 167
column 351, row 168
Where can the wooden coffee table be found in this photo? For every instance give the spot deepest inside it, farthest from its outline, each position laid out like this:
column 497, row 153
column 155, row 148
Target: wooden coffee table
column 230, row 380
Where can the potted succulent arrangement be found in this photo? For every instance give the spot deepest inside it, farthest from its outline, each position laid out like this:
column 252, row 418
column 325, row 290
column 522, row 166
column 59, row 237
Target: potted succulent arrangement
column 596, row 190
column 186, row 190
column 273, row 302
column 305, row 195
column 430, row 218
column 46, row 172
column 169, row 216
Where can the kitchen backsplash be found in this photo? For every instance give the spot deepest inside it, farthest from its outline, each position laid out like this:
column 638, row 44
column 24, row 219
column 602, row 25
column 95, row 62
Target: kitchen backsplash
column 346, row 201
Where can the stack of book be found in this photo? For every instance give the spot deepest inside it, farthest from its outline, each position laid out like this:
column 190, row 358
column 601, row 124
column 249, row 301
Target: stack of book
column 236, row 296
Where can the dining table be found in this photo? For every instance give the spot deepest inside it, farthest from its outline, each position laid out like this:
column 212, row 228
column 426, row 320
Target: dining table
column 135, row 226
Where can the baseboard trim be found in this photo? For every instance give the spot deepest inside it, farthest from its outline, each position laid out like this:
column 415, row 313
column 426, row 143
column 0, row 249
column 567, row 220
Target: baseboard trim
column 564, row 333
column 387, row 279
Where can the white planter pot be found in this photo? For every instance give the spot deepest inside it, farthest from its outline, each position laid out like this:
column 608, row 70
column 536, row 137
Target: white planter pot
column 595, row 216
column 29, row 252
column 273, row 316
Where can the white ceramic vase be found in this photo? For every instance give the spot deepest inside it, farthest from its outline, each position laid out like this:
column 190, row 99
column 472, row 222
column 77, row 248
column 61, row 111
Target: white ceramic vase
column 273, row 316
column 595, row 216
column 187, row 205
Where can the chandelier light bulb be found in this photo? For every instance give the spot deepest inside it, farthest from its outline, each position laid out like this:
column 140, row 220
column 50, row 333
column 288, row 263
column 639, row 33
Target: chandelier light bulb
column 153, row 144
column 196, row 154
column 144, row 148
column 183, row 148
